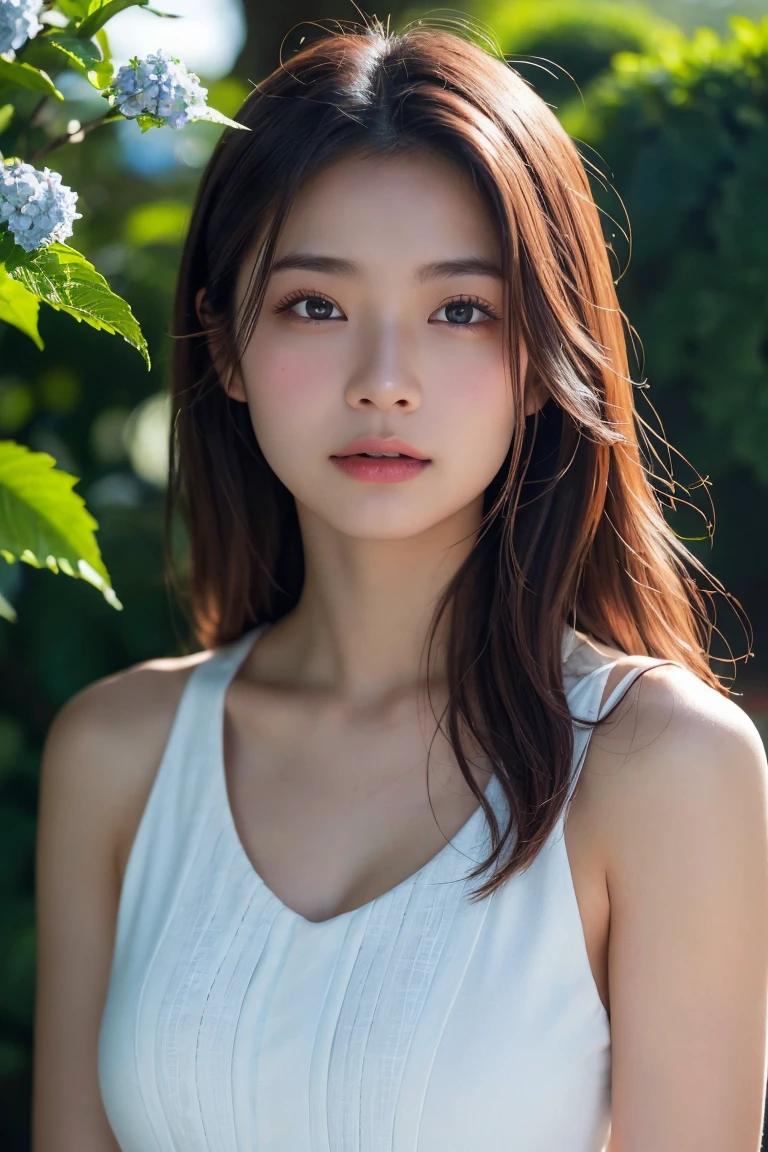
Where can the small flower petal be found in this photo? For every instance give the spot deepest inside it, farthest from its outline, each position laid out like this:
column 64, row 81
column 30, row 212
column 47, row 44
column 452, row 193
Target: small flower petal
column 38, row 209
column 18, row 22
column 159, row 86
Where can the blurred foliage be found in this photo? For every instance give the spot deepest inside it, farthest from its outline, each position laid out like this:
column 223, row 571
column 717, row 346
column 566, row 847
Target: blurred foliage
column 681, row 137
column 685, row 130
column 676, row 126
column 562, row 42
column 87, row 401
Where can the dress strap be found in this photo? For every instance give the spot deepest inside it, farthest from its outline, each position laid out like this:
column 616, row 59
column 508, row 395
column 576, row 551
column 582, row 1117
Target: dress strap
column 229, row 658
column 596, row 712
column 196, row 725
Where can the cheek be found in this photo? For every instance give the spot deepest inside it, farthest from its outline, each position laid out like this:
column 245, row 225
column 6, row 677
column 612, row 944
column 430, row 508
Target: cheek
column 284, row 386
column 476, row 398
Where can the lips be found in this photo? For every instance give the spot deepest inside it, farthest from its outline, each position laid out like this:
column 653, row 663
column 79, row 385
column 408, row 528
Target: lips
column 377, row 447
column 380, row 469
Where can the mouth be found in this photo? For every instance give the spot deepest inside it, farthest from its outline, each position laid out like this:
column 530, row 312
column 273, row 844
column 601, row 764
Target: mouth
column 380, row 448
column 379, row 456
column 380, row 467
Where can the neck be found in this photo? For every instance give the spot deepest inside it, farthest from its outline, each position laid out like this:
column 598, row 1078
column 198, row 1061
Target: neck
column 360, row 627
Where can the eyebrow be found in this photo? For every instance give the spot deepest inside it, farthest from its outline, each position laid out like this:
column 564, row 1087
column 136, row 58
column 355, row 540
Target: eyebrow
column 437, row 270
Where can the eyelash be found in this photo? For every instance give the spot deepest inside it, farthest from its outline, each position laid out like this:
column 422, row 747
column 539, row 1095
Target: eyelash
column 296, row 297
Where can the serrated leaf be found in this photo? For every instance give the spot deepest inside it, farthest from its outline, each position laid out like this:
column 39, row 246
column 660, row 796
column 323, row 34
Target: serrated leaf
column 20, row 75
column 84, row 52
column 99, row 16
column 63, row 278
column 19, row 307
column 44, row 523
column 204, row 112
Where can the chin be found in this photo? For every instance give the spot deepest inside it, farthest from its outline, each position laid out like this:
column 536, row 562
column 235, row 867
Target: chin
column 378, row 525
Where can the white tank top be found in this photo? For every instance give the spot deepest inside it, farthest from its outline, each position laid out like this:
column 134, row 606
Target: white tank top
column 416, row 1023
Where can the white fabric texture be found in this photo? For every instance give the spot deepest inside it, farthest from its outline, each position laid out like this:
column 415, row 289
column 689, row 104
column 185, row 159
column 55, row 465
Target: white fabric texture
column 419, row 1022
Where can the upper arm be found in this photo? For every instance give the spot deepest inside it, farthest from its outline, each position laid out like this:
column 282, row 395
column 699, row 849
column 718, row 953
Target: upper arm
column 76, row 905
column 99, row 761
column 687, row 869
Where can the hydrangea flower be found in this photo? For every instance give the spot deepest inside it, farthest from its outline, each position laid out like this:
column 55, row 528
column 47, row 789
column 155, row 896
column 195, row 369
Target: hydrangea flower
column 18, row 22
column 158, row 86
column 37, row 208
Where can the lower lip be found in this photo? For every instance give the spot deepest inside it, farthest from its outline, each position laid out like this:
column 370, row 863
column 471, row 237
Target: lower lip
column 381, row 470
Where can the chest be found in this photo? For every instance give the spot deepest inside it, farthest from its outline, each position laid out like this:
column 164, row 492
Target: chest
column 421, row 1021
column 332, row 815
column 403, row 1016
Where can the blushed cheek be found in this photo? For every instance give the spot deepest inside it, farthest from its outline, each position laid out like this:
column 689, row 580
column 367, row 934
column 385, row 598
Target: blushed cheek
column 480, row 393
column 283, row 382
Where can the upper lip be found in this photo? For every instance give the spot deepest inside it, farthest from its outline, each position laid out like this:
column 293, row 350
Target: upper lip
column 374, row 444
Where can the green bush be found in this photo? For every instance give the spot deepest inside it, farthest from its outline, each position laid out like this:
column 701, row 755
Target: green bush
column 684, row 130
column 548, row 42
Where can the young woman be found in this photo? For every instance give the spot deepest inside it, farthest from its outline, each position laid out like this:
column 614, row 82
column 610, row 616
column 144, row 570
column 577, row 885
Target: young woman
column 312, row 887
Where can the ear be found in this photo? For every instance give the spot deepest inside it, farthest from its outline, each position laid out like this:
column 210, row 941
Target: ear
column 535, row 397
column 231, row 381
column 535, row 393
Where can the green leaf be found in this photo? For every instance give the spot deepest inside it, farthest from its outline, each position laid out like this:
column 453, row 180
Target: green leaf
column 84, row 52
column 11, row 253
column 63, row 278
column 7, row 611
column 6, row 115
column 146, row 121
column 102, row 75
column 74, row 9
column 44, row 523
column 102, row 40
column 19, row 307
column 19, row 75
column 84, row 56
column 98, row 16
column 205, row 112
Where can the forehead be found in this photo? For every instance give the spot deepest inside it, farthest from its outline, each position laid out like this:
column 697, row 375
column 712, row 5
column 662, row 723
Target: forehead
column 394, row 210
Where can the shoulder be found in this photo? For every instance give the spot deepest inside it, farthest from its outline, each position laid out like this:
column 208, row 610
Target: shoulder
column 681, row 778
column 136, row 699
column 105, row 744
column 678, row 764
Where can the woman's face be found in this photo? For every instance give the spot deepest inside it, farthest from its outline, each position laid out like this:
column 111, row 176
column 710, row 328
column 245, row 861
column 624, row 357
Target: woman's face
column 367, row 331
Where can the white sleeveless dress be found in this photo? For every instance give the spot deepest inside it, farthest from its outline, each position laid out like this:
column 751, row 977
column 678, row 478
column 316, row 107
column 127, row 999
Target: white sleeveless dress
column 417, row 1023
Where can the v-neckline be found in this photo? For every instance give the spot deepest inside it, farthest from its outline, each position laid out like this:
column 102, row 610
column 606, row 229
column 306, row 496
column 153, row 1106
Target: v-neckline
column 493, row 793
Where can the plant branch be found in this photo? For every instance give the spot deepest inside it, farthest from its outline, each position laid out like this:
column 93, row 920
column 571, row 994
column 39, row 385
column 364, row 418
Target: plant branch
column 75, row 137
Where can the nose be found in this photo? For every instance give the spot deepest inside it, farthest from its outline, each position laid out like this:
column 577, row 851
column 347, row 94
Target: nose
column 384, row 378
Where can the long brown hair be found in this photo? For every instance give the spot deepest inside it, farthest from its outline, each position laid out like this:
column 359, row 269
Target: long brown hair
column 573, row 530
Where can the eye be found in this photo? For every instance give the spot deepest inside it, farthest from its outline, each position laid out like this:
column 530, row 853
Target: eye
column 318, row 308
column 460, row 312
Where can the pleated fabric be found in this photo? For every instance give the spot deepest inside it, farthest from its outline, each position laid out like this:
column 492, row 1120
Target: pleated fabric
column 416, row 1023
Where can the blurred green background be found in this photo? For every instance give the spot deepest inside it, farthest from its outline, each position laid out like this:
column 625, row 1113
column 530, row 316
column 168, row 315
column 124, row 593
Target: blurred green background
column 668, row 103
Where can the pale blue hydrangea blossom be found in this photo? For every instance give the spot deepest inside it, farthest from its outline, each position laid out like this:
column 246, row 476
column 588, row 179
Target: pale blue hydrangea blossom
column 37, row 208
column 159, row 85
column 18, row 22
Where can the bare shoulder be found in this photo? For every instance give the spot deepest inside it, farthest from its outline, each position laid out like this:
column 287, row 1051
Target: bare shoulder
column 677, row 755
column 106, row 743
column 681, row 780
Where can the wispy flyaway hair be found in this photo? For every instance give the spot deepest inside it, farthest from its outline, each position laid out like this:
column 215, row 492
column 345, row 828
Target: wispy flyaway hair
column 573, row 529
